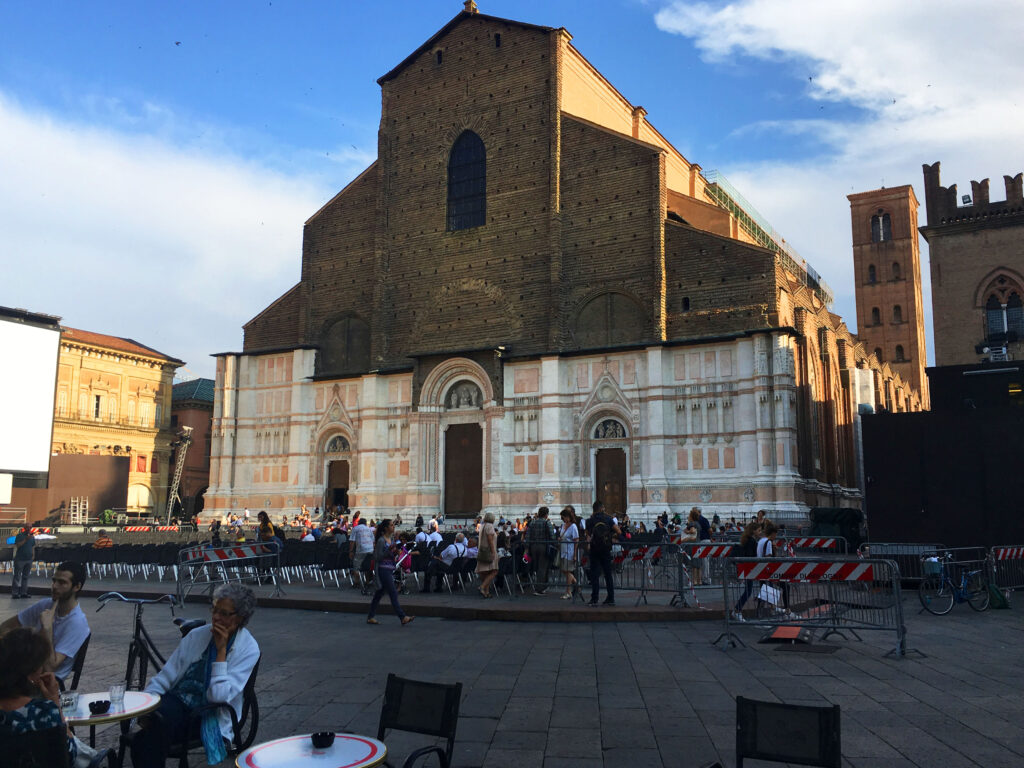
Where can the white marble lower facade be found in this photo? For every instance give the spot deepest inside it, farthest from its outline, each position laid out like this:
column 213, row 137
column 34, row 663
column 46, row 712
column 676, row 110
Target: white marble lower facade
column 665, row 427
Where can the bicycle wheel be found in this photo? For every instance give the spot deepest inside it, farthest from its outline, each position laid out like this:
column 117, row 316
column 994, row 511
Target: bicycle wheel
column 977, row 591
column 936, row 595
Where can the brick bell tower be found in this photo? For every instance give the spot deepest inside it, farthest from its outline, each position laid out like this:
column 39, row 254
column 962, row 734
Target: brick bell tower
column 887, row 271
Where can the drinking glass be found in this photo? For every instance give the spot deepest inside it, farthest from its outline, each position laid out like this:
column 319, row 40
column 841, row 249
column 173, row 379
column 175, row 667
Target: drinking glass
column 69, row 703
column 116, row 693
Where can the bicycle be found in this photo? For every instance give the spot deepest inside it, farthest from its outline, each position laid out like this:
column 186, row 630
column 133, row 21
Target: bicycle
column 939, row 592
column 142, row 651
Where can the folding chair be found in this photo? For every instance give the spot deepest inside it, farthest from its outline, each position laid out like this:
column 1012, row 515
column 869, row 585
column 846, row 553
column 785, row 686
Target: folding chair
column 420, row 707
column 787, row 733
column 77, row 665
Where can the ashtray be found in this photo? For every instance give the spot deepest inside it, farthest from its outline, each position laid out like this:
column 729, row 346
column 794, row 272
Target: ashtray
column 99, row 707
column 322, row 739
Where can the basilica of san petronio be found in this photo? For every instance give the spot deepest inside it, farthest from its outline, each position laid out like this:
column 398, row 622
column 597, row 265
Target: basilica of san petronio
column 531, row 297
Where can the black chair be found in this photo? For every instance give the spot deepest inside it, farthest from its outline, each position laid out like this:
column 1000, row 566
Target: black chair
column 787, row 733
column 420, row 707
column 76, row 665
column 44, row 749
column 244, row 727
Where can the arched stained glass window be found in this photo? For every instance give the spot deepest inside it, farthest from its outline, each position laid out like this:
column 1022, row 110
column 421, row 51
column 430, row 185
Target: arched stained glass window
column 467, row 183
column 993, row 317
column 1015, row 315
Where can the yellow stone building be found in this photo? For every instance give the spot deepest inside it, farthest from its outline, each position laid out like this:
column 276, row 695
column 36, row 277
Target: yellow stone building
column 113, row 398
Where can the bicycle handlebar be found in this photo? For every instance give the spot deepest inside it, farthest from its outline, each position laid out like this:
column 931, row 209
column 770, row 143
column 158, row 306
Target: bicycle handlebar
column 108, row 596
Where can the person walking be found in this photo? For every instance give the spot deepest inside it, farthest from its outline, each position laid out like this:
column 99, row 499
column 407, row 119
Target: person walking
column 601, row 533
column 487, row 555
column 748, row 548
column 24, row 554
column 568, row 536
column 384, row 557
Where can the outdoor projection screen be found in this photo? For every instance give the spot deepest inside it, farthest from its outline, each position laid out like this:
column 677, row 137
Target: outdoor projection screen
column 27, row 384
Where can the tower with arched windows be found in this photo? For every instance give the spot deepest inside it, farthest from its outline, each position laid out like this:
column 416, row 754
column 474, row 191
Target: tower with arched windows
column 887, row 269
column 976, row 251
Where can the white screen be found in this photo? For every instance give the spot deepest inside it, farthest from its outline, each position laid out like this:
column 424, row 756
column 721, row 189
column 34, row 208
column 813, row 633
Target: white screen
column 27, row 382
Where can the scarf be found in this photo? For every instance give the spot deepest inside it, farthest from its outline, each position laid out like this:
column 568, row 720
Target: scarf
column 191, row 689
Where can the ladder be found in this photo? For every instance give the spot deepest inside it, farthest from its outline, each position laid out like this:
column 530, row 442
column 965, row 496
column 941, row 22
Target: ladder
column 182, row 443
column 78, row 512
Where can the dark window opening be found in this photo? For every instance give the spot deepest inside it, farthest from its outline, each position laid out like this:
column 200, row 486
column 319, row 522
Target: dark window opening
column 878, row 355
column 872, row 274
column 438, row 56
column 96, row 407
column 899, row 354
column 467, row 183
column 686, row 304
column 876, row 316
column 895, row 270
column 897, row 314
column 497, row 40
column 881, row 227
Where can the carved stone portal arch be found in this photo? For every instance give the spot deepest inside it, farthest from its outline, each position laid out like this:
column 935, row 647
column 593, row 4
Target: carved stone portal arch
column 442, row 379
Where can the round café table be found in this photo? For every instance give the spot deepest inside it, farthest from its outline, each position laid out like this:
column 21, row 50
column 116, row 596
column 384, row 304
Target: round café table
column 347, row 751
column 135, row 704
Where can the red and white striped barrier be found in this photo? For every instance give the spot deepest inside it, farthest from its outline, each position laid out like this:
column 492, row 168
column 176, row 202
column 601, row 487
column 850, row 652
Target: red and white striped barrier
column 234, row 553
column 167, row 528
column 136, row 528
column 1008, row 553
column 811, row 542
column 796, row 570
column 34, row 531
column 702, row 551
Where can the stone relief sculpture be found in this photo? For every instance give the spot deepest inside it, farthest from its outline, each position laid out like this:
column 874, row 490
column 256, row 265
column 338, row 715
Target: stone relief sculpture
column 338, row 444
column 465, row 394
column 609, row 430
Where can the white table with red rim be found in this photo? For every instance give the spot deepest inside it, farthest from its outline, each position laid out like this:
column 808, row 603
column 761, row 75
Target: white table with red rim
column 135, row 703
column 348, row 751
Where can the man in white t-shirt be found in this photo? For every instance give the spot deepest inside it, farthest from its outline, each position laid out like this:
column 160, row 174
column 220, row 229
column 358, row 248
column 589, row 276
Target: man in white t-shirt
column 442, row 563
column 433, row 537
column 59, row 617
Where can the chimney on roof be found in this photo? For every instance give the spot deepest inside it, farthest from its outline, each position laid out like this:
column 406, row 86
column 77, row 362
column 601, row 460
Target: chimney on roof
column 470, row 7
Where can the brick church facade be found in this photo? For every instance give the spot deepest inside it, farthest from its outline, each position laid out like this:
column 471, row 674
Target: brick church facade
column 529, row 298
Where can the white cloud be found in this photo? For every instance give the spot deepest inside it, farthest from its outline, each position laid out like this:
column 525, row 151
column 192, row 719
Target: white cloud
column 938, row 80
column 144, row 237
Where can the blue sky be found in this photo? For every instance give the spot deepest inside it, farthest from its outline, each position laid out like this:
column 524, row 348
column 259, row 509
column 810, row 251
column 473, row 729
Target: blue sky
column 158, row 159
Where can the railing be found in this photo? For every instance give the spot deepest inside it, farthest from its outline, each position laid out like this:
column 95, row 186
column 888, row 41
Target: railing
column 87, row 416
column 13, row 516
column 754, row 224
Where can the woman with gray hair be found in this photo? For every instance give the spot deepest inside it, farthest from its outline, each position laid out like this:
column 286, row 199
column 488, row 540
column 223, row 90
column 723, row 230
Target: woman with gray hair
column 211, row 665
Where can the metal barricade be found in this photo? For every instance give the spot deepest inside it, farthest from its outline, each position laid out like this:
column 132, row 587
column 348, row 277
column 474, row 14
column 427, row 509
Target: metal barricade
column 206, row 566
column 818, row 545
column 702, row 565
column 908, row 556
column 831, row 595
column 1008, row 566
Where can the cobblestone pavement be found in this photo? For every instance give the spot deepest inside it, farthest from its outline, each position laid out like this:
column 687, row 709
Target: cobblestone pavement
column 629, row 694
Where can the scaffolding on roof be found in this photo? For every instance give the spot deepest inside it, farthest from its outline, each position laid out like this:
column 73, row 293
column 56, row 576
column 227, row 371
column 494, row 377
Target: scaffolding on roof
column 726, row 196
